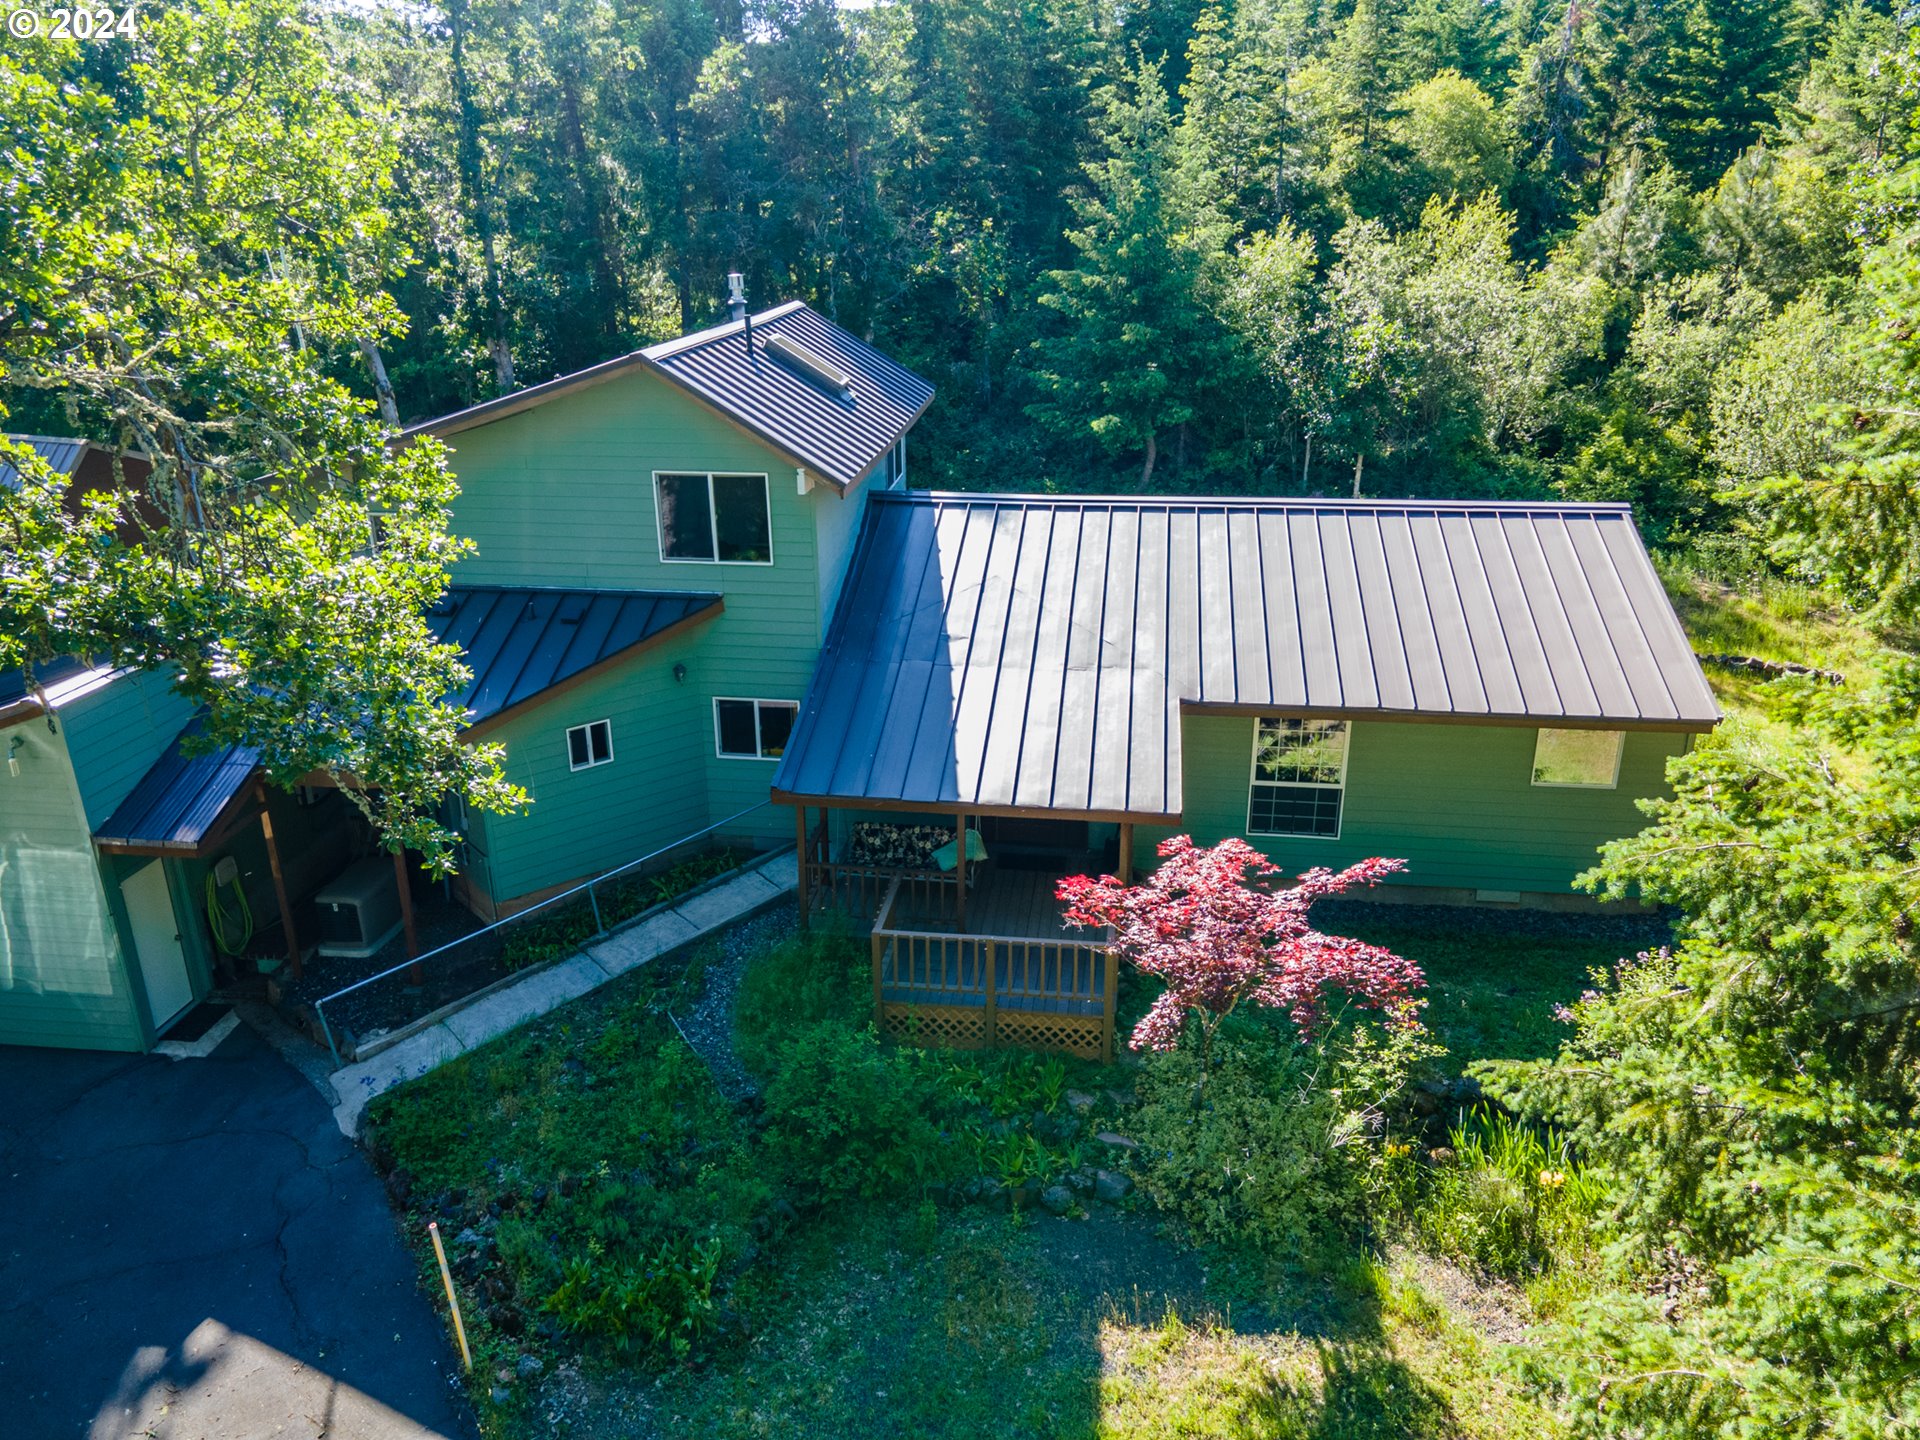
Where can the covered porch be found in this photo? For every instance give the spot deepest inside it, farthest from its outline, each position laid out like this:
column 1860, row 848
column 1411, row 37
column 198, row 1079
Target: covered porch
column 976, row 956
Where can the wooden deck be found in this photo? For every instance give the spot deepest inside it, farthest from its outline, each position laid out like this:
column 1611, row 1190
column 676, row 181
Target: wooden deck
column 1016, row 975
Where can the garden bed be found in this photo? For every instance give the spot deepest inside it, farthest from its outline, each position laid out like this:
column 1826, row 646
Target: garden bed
column 378, row 1013
column 865, row 1246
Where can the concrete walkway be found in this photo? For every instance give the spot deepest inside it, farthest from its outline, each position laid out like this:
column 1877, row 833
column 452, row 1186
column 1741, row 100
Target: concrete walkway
column 494, row 1014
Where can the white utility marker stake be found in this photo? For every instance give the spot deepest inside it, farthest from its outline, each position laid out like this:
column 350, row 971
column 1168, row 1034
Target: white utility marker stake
column 446, row 1278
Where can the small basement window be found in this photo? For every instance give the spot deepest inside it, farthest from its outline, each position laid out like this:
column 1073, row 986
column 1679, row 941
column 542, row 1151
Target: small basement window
column 753, row 729
column 1586, row 759
column 590, row 745
column 1299, row 777
column 723, row 519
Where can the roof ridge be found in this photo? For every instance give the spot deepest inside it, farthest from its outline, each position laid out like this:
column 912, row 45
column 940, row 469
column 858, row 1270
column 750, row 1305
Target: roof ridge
column 680, row 344
column 580, row 589
column 1035, row 498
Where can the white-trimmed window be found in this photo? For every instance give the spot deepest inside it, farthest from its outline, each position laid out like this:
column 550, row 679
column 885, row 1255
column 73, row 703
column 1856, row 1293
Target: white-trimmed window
column 752, row 729
column 713, row 519
column 894, row 467
column 1582, row 759
column 590, row 745
column 1299, row 777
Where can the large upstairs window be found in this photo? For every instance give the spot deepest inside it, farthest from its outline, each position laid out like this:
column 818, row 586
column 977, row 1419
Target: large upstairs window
column 715, row 519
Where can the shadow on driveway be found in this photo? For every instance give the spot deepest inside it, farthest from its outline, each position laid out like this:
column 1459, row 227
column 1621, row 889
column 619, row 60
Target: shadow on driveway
column 191, row 1248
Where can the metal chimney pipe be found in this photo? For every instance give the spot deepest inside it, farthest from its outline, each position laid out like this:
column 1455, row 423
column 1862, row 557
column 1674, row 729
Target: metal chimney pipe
column 736, row 295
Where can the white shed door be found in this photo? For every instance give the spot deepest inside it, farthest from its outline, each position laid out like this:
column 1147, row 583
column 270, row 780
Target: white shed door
column 156, row 938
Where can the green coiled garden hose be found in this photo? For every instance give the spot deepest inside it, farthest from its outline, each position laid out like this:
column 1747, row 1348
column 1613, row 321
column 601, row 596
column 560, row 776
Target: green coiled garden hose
column 222, row 923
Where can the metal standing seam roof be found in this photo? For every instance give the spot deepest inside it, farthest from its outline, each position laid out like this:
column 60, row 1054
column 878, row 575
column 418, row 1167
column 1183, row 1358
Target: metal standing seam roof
column 838, row 436
column 181, row 797
column 61, row 454
column 841, row 435
column 522, row 641
column 518, row 643
column 1036, row 652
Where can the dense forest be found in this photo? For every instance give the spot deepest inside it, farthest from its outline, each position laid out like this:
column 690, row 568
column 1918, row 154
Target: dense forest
column 1662, row 251
column 1425, row 247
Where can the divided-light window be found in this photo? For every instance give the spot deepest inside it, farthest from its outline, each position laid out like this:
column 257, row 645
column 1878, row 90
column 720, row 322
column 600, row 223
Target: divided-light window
column 753, row 729
column 1299, row 776
column 719, row 519
column 590, row 745
column 1584, row 759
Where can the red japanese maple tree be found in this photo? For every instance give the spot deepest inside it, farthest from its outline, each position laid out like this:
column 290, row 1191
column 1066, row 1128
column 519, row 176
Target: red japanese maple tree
column 1211, row 924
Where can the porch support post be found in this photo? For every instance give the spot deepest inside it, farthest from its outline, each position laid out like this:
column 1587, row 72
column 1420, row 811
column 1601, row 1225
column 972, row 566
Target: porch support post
column 803, row 854
column 993, row 999
column 294, row 967
column 416, row 976
column 1126, row 852
column 1112, row 987
column 960, row 872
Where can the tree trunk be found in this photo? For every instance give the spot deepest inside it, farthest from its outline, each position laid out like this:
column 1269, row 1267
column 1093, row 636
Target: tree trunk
column 382, row 386
column 1306, row 467
column 473, row 182
column 1359, row 464
column 1153, row 453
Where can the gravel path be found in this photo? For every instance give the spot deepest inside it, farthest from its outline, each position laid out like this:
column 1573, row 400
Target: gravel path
column 707, row 1025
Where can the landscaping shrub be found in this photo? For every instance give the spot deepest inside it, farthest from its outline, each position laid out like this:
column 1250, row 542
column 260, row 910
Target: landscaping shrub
column 662, row 1301
column 817, row 976
column 1277, row 1152
column 848, row 1118
column 1510, row 1199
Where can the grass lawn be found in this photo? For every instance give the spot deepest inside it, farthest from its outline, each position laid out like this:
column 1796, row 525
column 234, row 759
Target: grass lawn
column 550, row 1150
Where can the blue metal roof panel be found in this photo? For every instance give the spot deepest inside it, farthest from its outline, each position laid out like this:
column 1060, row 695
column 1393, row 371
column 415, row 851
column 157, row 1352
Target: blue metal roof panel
column 181, row 797
column 520, row 641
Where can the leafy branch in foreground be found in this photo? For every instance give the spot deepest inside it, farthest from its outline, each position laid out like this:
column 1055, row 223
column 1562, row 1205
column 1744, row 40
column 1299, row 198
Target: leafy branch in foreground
column 191, row 250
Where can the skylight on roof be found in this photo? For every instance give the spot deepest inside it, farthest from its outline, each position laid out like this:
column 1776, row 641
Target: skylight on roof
column 796, row 356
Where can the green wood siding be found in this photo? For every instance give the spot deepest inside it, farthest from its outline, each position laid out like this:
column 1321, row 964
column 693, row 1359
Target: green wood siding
column 116, row 733
column 63, row 980
column 837, row 525
column 584, row 821
column 1456, row 802
column 563, row 495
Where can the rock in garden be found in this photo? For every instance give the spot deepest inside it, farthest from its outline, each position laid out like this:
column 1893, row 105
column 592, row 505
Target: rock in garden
column 468, row 1236
column 400, row 1186
column 996, row 1196
column 1111, row 1186
column 1057, row 1199
column 1080, row 1181
column 501, row 1395
column 528, row 1367
column 1116, row 1140
column 1079, row 1101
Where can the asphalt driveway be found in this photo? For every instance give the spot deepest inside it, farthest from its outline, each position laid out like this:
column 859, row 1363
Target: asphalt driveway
column 190, row 1248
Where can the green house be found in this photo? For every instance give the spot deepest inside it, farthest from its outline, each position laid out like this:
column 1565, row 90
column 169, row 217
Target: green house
column 703, row 603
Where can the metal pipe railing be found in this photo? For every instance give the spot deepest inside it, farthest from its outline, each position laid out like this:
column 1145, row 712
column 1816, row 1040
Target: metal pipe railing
column 586, row 886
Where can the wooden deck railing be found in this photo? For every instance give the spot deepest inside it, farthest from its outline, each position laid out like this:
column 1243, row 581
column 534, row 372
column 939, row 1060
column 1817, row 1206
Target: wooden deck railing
column 860, row 889
column 948, row 987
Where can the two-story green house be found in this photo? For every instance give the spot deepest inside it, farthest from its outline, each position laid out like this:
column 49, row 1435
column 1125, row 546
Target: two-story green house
column 718, row 482
column 703, row 599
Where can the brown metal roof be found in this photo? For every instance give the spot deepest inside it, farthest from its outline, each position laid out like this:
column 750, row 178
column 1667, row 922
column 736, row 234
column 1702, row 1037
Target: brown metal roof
column 838, row 435
column 1035, row 652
